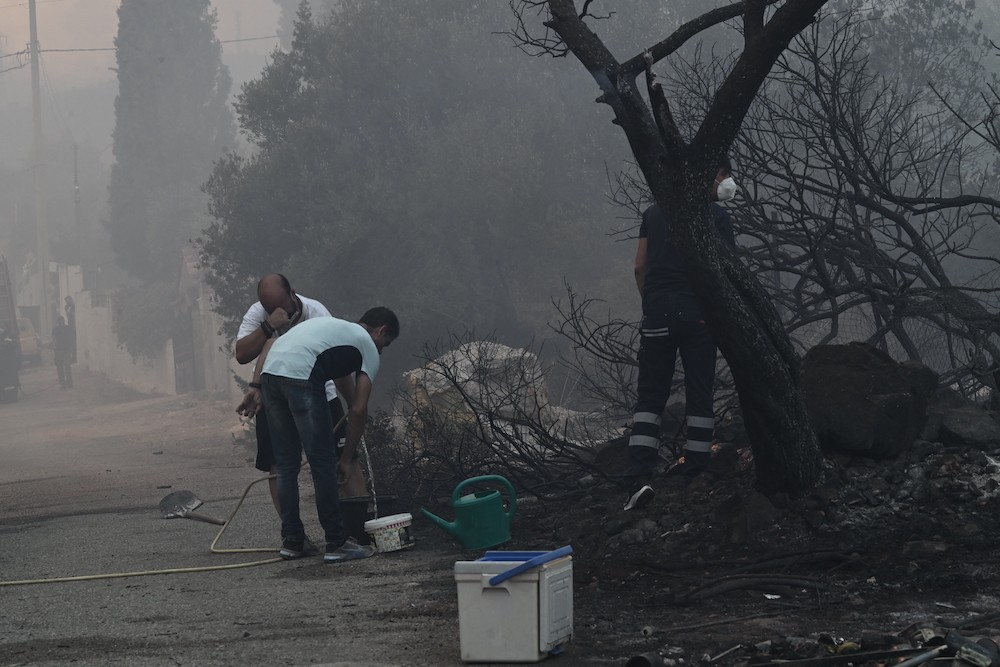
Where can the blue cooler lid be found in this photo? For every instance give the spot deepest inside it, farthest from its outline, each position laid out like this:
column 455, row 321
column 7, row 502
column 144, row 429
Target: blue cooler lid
column 526, row 560
column 511, row 555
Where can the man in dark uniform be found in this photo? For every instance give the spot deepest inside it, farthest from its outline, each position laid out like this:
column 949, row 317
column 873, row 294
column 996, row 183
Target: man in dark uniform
column 70, row 309
column 62, row 339
column 672, row 322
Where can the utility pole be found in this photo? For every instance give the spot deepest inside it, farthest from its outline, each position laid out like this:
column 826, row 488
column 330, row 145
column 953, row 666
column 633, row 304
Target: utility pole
column 41, row 224
column 76, row 212
column 3, row 40
column 239, row 32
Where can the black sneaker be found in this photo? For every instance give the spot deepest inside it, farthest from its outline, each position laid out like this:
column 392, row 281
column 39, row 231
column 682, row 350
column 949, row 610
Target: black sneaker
column 291, row 550
column 308, row 548
column 349, row 550
column 640, row 498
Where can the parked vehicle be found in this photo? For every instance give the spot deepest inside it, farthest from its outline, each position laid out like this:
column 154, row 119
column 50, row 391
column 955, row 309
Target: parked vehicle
column 31, row 342
column 10, row 345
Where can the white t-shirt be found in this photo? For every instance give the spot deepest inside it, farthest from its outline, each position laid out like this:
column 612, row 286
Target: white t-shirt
column 321, row 349
column 310, row 308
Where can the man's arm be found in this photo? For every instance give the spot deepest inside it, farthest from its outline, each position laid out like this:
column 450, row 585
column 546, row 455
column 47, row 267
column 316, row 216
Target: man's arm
column 727, row 232
column 248, row 347
column 640, row 264
column 253, row 337
column 357, row 417
column 724, row 225
column 345, row 389
column 259, row 366
column 253, row 399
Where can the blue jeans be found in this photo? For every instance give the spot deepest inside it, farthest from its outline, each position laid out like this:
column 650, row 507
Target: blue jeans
column 299, row 420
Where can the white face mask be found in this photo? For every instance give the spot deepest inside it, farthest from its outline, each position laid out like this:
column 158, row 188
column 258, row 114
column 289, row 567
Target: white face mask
column 726, row 189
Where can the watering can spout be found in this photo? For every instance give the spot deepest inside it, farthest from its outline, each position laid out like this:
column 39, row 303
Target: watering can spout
column 449, row 527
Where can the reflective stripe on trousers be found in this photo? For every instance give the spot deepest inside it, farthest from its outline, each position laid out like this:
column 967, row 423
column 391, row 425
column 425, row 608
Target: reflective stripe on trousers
column 663, row 337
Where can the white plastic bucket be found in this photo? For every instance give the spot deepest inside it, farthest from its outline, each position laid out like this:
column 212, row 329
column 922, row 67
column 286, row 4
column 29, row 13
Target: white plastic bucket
column 391, row 533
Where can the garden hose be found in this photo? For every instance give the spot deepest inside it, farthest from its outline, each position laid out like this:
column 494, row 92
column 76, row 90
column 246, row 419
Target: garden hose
column 236, row 509
column 206, row 568
column 176, row 570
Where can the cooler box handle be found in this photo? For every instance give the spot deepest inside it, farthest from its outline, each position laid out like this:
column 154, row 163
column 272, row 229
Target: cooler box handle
column 531, row 564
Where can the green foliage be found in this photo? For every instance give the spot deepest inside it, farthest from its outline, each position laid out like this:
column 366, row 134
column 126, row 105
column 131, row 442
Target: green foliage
column 171, row 123
column 407, row 155
column 921, row 42
column 142, row 317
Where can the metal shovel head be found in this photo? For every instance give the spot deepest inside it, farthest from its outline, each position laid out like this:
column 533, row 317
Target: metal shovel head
column 182, row 504
column 177, row 504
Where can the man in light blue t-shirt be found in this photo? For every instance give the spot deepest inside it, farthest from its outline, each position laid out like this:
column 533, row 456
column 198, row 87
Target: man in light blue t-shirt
column 295, row 367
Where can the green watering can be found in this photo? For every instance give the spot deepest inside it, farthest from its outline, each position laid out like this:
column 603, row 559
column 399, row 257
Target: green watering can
column 480, row 519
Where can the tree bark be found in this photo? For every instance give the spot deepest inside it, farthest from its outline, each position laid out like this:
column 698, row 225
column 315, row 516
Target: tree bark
column 747, row 327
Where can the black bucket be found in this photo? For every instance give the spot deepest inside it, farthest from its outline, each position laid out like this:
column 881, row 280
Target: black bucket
column 354, row 511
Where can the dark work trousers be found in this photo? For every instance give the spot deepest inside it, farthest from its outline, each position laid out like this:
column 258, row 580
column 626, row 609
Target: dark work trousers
column 672, row 323
column 64, row 368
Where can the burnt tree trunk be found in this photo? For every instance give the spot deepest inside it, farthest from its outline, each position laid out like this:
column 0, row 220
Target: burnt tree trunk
column 679, row 173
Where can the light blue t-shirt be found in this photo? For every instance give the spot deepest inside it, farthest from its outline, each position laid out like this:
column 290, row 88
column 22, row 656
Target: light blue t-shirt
column 322, row 349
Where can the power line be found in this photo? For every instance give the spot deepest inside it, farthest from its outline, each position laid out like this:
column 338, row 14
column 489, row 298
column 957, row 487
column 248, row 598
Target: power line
column 248, row 39
column 224, row 41
column 25, row 4
column 59, row 109
column 27, row 52
column 14, row 54
column 73, row 50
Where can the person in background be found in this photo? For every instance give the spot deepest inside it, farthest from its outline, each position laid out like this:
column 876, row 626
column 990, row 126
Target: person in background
column 293, row 371
column 62, row 341
column 672, row 322
column 70, row 309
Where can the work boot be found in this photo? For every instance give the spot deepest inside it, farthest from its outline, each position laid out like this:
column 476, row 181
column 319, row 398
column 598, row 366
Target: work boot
column 639, row 498
column 642, row 465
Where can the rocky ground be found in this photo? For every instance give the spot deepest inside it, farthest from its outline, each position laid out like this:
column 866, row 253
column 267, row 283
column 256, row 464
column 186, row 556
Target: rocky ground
column 710, row 572
column 711, row 565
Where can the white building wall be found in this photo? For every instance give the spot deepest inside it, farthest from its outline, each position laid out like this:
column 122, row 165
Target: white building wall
column 97, row 349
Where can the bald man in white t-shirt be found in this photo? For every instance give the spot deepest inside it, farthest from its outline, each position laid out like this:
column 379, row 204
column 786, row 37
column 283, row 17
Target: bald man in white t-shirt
column 278, row 308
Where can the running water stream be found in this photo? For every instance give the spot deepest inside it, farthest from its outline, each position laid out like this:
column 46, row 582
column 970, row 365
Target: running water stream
column 371, row 476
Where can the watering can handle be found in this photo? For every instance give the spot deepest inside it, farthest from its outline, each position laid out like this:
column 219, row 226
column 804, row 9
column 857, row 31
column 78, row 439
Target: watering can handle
column 512, row 498
column 530, row 564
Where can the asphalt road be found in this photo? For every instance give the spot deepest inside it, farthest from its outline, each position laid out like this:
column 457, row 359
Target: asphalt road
column 83, row 471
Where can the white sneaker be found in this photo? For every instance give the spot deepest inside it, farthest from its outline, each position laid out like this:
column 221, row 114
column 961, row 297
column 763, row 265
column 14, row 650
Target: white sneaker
column 640, row 498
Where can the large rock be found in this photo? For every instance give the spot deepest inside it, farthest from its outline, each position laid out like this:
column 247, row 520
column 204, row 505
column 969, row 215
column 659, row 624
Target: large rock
column 861, row 401
column 971, row 426
column 488, row 387
column 480, row 373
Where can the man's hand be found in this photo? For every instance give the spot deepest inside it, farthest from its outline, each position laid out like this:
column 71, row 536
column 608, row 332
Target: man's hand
column 344, row 471
column 279, row 319
column 251, row 403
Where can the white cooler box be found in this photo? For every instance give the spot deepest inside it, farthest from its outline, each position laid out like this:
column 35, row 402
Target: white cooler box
column 523, row 618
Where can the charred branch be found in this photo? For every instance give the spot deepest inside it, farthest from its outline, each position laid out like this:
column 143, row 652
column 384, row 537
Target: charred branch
column 661, row 112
